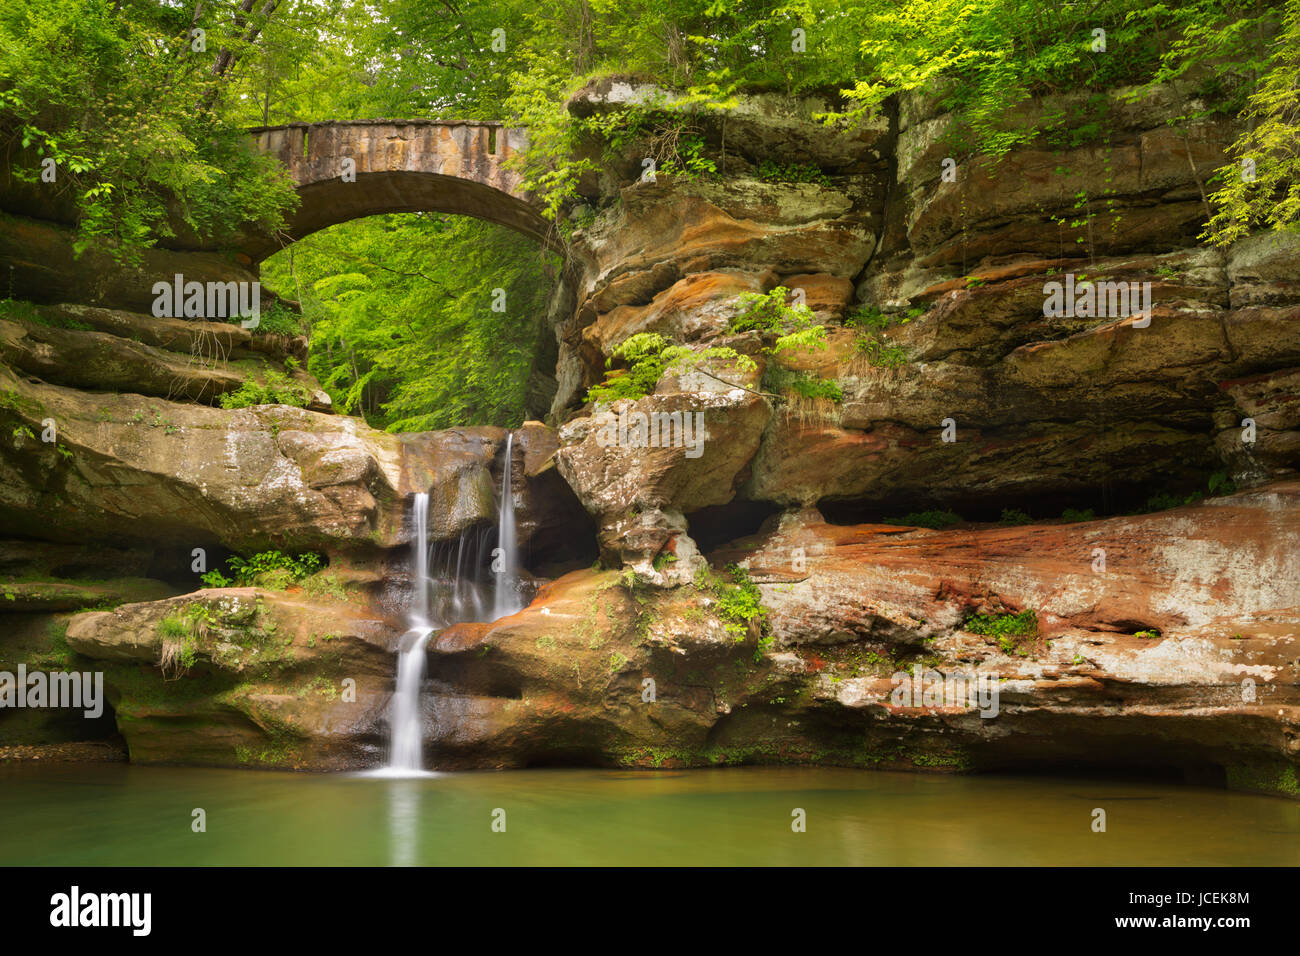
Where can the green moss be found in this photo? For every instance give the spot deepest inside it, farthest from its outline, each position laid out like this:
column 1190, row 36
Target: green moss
column 798, row 383
column 1279, row 779
column 864, row 755
column 142, row 691
column 273, row 755
column 1023, row 624
column 951, row 759
column 657, row 757
column 325, row 584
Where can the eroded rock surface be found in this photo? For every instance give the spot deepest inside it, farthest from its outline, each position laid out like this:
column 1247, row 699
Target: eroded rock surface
column 1165, row 639
column 244, row 677
column 1181, row 653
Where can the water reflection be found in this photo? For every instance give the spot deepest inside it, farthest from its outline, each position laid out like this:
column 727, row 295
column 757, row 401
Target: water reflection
column 131, row 816
column 403, row 822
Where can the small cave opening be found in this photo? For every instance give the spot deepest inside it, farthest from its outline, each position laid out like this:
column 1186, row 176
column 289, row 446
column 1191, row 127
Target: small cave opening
column 1147, row 769
column 556, row 549
column 575, row 755
column 53, row 726
column 1109, row 500
column 717, row 525
column 183, row 565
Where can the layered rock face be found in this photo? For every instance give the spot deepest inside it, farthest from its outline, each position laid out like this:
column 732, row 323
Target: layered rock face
column 122, row 480
column 1083, row 407
column 1163, row 639
column 1175, row 649
column 962, row 387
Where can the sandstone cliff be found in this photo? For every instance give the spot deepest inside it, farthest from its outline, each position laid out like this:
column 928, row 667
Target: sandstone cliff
column 1178, row 650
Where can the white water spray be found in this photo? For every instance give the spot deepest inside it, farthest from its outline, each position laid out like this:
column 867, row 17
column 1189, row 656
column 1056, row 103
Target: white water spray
column 406, row 749
column 506, row 561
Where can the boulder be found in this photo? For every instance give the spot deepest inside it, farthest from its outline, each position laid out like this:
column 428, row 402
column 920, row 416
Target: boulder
column 245, row 677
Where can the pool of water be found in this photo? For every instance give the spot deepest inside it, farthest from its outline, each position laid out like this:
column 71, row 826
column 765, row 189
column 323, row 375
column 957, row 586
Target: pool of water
column 125, row 815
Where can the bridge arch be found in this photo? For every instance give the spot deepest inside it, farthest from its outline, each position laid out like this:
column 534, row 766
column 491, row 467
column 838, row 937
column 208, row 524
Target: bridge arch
column 400, row 166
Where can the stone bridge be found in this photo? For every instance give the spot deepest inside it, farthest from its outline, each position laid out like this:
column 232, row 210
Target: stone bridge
column 400, row 166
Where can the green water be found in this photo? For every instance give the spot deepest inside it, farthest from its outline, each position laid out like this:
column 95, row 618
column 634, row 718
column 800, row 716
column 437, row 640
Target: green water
column 118, row 814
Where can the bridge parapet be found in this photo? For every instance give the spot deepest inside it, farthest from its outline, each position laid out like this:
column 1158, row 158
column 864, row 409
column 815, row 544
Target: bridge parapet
column 401, row 166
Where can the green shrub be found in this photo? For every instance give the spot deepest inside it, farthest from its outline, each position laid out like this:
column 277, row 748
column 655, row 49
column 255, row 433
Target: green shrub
column 273, row 569
column 738, row 602
column 1073, row 514
column 870, row 323
column 1014, row 516
column 278, row 389
column 772, row 172
column 649, row 355
column 927, row 519
column 1021, row 624
column 278, row 319
column 325, row 585
column 1221, row 484
column 772, row 315
column 688, row 160
column 1005, row 627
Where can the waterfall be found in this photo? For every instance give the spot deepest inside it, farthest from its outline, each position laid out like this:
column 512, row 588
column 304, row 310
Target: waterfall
column 506, row 559
column 406, row 748
column 420, row 606
column 406, row 752
column 449, row 584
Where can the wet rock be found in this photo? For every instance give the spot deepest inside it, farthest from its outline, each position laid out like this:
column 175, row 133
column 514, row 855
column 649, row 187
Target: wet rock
column 1181, row 652
column 244, row 677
